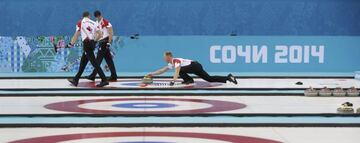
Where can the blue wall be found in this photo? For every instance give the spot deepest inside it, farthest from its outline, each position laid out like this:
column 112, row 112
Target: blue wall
column 146, row 53
column 185, row 17
column 216, row 53
column 172, row 24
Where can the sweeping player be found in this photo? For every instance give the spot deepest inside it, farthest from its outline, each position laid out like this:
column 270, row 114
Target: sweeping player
column 183, row 67
column 87, row 29
column 104, row 51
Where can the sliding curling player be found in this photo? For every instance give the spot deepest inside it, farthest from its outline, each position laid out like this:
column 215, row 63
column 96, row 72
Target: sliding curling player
column 183, row 67
column 87, row 29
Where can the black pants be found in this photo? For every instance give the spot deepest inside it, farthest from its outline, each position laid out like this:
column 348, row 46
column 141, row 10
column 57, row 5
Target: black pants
column 197, row 69
column 88, row 55
column 105, row 52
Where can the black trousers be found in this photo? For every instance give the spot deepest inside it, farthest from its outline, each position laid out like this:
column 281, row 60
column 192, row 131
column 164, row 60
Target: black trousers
column 105, row 53
column 88, row 55
column 197, row 69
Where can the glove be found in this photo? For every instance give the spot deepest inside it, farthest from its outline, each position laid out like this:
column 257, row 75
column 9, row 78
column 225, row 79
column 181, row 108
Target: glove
column 108, row 45
column 69, row 45
column 172, row 83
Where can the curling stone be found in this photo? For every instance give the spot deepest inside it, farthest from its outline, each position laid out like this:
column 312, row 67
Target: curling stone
column 147, row 80
column 325, row 92
column 339, row 92
column 346, row 108
column 352, row 91
column 311, row 92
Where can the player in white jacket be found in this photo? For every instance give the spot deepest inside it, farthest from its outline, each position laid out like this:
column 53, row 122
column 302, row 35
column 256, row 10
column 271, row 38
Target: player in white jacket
column 183, row 67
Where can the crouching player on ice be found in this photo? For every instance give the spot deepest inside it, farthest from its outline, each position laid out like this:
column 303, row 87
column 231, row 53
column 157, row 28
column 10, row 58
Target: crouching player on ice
column 183, row 67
